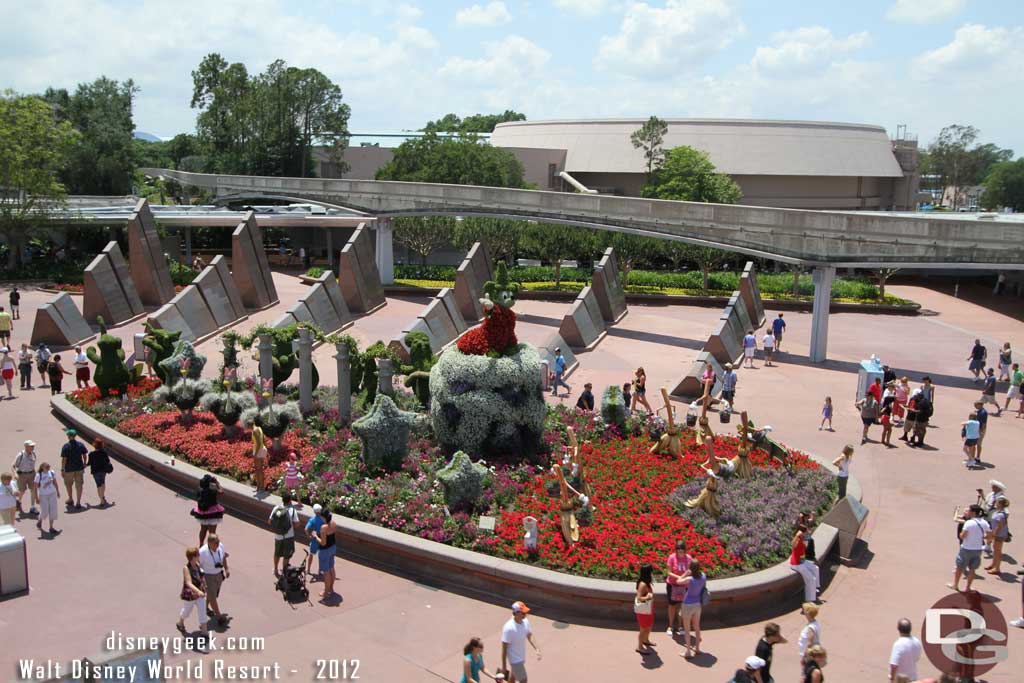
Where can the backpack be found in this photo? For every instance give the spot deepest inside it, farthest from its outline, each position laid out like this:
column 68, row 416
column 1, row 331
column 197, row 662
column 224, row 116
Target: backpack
column 280, row 520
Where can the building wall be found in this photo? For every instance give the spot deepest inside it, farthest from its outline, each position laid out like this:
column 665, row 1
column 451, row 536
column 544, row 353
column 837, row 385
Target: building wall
column 363, row 162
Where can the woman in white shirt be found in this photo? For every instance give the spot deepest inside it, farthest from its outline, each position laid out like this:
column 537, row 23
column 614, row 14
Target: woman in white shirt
column 81, row 368
column 811, row 633
column 8, row 498
column 7, row 368
column 49, row 493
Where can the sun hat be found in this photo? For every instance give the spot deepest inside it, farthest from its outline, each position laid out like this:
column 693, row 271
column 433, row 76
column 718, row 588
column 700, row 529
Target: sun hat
column 754, row 663
column 30, row 442
column 998, row 484
column 520, row 606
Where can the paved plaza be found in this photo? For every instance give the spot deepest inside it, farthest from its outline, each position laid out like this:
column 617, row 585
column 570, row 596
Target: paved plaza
column 119, row 569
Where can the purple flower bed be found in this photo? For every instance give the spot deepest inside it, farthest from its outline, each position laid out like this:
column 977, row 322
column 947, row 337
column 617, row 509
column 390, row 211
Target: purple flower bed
column 759, row 514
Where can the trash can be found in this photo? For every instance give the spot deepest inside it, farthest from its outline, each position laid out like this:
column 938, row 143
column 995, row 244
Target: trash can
column 869, row 370
column 13, row 561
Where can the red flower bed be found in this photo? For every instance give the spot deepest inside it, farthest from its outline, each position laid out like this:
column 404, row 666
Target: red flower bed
column 201, row 442
column 86, row 398
column 632, row 524
column 65, row 287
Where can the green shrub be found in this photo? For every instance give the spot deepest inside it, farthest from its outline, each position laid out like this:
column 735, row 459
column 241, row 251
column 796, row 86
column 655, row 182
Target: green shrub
column 181, row 274
column 613, row 409
column 315, row 271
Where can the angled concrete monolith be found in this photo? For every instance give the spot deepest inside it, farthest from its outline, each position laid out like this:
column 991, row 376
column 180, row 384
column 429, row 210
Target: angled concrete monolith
column 470, row 277
column 751, row 293
column 358, row 274
column 583, row 325
column 608, row 289
column 59, row 323
column 220, row 292
column 690, row 385
column 249, row 265
column 109, row 289
column 146, row 260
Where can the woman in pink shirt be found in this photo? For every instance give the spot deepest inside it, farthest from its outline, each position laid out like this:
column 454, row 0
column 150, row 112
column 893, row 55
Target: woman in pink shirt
column 678, row 564
column 902, row 394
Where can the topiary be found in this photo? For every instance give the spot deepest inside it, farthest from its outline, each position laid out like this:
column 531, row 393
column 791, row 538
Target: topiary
column 228, row 406
column 418, row 371
column 613, row 408
column 111, row 376
column 496, row 335
column 184, row 363
column 368, row 365
column 463, row 481
column 384, row 431
column 184, row 394
column 162, row 343
column 273, row 419
column 229, row 368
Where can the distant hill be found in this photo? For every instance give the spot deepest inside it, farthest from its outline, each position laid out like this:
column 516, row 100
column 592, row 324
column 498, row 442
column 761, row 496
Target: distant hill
column 148, row 137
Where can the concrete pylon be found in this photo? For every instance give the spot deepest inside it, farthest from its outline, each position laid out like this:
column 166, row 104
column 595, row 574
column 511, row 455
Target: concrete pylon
column 344, row 383
column 305, row 370
column 823, row 277
column 385, row 251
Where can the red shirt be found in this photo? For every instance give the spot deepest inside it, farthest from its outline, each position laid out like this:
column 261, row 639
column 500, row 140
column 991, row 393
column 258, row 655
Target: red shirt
column 798, row 552
column 876, row 391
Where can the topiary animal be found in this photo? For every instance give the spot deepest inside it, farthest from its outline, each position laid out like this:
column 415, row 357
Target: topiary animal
column 162, row 343
column 368, row 363
column 286, row 361
column 613, row 408
column 496, row 335
column 111, row 376
column 228, row 406
column 184, row 363
column 418, row 372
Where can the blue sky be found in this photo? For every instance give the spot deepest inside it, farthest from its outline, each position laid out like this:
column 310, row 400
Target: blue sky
column 926, row 63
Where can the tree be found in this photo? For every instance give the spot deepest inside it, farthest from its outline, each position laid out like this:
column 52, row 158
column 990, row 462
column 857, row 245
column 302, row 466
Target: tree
column 950, row 158
column 631, row 250
column 706, row 259
column 985, row 157
column 1004, row 186
column 424, row 234
column 556, row 243
column 477, row 123
column 458, row 161
column 688, row 175
column 501, row 235
column 883, row 275
column 322, row 114
column 34, row 147
column 650, row 137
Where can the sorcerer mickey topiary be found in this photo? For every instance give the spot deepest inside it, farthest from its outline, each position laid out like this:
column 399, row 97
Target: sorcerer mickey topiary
column 111, row 375
column 463, row 481
column 496, row 335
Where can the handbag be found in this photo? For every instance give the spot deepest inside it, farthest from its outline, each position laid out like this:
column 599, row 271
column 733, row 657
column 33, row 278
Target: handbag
column 643, row 607
column 110, row 467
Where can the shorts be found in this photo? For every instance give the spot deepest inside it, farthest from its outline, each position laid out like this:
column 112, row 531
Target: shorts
column 325, row 558
column 968, row 560
column 100, row 478
column 1013, row 392
column 868, row 421
column 976, row 364
column 518, row 670
column 728, row 395
column 7, row 374
column 748, row 352
column 261, row 454
column 76, row 478
column 920, row 428
column 213, row 583
column 668, row 592
column 769, row 350
column 970, row 442
column 26, row 480
column 284, row 547
column 82, row 374
column 690, row 610
column 645, row 621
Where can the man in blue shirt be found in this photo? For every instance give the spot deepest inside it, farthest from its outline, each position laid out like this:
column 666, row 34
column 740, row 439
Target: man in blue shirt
column 778, row 327
column 559, row 372
column 988, row 391
column 312, row 531
column 729, row 384
column 749, row 348
column 73, row 459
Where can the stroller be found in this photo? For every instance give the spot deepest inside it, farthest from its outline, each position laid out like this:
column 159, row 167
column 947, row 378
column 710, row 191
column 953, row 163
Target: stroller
column 292, row 582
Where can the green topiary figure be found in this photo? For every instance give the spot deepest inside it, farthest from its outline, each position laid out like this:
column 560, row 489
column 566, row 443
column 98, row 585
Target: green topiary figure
column 368, row 361
column 184, row 363
column 229, row 369
column 463, row 481
column 384, row 431
column 184, row 394
column 162, row 343
column 613, row 408
column 286, row 361
column 227, row 406
column 418, row 372
column 274, row 420
column 111, row 376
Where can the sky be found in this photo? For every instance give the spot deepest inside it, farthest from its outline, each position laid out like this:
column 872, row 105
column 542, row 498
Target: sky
column 923, row 63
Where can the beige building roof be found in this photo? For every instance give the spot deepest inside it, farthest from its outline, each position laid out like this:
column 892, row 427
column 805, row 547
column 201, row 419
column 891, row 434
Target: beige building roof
column 736, row 146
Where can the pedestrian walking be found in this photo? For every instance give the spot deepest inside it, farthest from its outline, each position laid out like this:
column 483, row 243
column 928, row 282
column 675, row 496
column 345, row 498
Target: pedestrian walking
column 24, row 467
column 559, row 373
column 259, row 457
column 6, row 327
column 25, row 358
column 1016, row 380
column 971, row 432
column 283, row 519
column 729, row 381
column 826, row 414
column 810, row 634
column 868, row 414
column 695, row 582
column 313, row 533
column 42, row 363
column 768, row 344
column 778, row 328
column 55, row 371
column 765, row 647
column 473, row 662
column 9, row 498
column 924, row 413
column 640, row 390
column 99, row 467
column 327, row 552
column 643, row 607
column 749, row 348
column 751, row 671
column 972, row 542
column 81, row 362
column 906, row 652
column 7, row 370
column 988, row 391
column 799, row 563
column 15, row 299
column 977, row 358
column 207, row 511
column 1005, row 361
column 678, row 563
column 73, row 458
column 213, row 561
column 586, row 400
column 1000, row 524
column 514, row 636
column 193, row 591
column 843, row 463
column 49, row 491
column 814, row 661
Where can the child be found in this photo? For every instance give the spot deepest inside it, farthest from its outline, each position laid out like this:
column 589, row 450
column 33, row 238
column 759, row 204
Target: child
column 8, row 498
column 56, row 373
column 292, row 476
column 769, row 346
column 826, row 414
column 627, row 396
column 886, row 421
column 971, row 431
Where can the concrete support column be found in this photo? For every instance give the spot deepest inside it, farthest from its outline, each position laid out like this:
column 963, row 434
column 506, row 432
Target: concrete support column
column 386, row 377
column 330, row 247
column 823, row 277
column 188, row 245
column 344, row 383
column 385, row 252
column 305, row 370
column 265, row 349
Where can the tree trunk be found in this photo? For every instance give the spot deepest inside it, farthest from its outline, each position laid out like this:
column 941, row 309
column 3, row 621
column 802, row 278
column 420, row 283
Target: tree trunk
column 796, row 282
column 706, row 273
column 558, row 273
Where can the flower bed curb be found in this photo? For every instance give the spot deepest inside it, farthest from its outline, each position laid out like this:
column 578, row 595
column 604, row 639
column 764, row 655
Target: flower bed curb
column 736, row 600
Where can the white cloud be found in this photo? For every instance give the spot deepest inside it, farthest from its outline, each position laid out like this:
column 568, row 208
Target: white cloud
column 805, row 49
column 508, row 61
column 584, row 8
column 924, row 11
column 493, row 14
column 997, row 51
column 684, row 33
column 417, row 36
column 407, row 13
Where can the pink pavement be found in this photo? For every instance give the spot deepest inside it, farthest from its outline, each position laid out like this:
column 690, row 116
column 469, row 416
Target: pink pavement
column 119, row 569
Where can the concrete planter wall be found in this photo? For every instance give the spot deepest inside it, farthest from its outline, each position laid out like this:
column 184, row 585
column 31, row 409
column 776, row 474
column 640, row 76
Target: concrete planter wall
column 734, row 600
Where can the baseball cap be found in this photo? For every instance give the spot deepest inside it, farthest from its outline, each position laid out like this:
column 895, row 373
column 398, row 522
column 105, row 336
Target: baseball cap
column 318, row 508
column 30, row 442
column 558, row 348
column 754, row 663
column 71, row 432
column 520, row 606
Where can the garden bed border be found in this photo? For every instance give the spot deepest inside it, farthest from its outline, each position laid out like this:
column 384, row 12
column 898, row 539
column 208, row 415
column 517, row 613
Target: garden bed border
column 735, row 600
